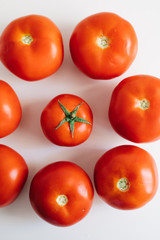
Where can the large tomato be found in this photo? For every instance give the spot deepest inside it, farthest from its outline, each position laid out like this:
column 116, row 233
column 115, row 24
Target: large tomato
column 10, row 109
column 61, row 193
column 31, row 47
column 13, row 175
column 103, row 45
column 134, row 108
column 67, row 120
column 126, row 177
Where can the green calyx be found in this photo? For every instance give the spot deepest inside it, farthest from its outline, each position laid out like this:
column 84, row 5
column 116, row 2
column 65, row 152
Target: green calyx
column 71, row 117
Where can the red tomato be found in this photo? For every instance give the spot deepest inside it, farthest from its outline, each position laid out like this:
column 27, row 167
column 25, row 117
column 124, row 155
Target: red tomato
column 61, row 193
column 10, row 109
column 31, row 47
column 103, row 45
column 126, row 177
column 13, row 175
column 134, row 108
column 67, row 120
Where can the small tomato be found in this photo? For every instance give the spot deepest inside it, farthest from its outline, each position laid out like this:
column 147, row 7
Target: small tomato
column 67, row 120
column 126, row 177
column 13, row 175
column 10, row 109
column 134, row 108
column 31, row 47
column 103, row 45
column 61, row 193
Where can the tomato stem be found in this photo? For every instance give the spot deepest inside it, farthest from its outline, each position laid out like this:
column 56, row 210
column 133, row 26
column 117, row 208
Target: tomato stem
column 27, row 39
column 144, row 104
column 103, row 42
column 123, row 184
column 62, row 200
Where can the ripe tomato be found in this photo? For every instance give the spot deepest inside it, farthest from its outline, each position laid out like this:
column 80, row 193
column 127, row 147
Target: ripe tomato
column 31, row 47
column 13, row 175
column 67, row 120
column 134, row 108
column 61, row 193
column 10, row 109
column 103, row 45
column 126, row 177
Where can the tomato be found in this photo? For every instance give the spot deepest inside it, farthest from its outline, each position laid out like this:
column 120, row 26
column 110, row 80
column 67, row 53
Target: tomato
column 61, row 193
column 126, row 177
column 103, row 45
column 13, row 175
column 10, row 110
column 134, row 108
column 67, row 120
column 31, row 47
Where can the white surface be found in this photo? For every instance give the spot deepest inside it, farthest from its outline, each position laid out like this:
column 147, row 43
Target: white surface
column 18, row 221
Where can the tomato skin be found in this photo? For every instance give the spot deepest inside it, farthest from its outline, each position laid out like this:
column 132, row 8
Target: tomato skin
column 13, row 175
column 56, row 179
column 53, row 114
column 103, row 63
column 37, row 60
column 133, row 163
column 127, row 118
column 10, row 110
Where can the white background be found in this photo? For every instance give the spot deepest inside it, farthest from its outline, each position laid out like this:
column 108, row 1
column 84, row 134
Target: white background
column 18, row 221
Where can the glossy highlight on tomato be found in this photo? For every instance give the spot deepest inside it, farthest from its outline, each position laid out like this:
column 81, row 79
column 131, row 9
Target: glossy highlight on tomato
column 134, row 108
column 31, row 47
column 126, row 177
column 10, row 110
column 103, row 45
column 61, row 193
column 13, row 175
column 67, row 120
